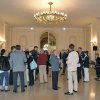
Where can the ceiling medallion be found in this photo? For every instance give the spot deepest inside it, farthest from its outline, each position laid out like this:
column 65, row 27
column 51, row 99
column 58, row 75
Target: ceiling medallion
column 50, row 17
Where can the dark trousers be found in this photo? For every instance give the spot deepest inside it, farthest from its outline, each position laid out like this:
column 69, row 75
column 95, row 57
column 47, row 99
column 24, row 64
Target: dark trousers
column 31, row 77
column 37, row 70
column 11, row 77
column 82, row 72
column 98, row 72
column 15, row 78
column 47, row 69
column 55, row 79
column 64, row 67
column 79, row 76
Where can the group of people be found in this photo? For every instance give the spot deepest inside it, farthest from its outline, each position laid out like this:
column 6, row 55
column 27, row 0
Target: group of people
column 18, row 61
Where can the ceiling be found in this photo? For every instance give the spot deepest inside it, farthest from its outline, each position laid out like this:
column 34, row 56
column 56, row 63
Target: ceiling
column 20, row 12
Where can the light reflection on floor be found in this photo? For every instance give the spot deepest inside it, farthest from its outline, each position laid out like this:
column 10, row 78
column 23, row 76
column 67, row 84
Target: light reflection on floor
column 87, row 91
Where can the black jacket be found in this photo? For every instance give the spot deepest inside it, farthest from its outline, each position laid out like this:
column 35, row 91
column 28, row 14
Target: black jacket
column 35, row 55
column 64, row 57
column 97, row 62
column 86, row 62
column 29, row 60
column 4, row 63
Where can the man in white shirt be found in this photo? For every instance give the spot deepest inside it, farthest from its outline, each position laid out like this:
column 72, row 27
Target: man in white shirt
column 72, row 62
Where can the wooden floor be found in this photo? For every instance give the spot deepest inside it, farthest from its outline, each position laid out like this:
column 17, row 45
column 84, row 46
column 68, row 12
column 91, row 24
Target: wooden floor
column 86, row 91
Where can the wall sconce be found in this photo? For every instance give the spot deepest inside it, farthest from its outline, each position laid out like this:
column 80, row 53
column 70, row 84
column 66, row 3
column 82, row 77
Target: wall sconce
column 94, row 41
column 2, row 41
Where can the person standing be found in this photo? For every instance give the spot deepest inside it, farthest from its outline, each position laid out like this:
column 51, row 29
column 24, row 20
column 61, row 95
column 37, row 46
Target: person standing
column 81, row 57
column 54, row 61
column 79, row 69
column 35, row 57
column 35, row 53
column 72, row 62
column 64, row 58
column 13, row 48
column 97, row 67
column 48, row 64
column 4, row 74
column 17, row 62
column 42, row 61
column 86, row 66
column 30, row 72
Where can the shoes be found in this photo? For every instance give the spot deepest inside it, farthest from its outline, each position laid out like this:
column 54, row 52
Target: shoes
column 36, row 78
column 59, row 87
column 25, row 85
column 97, row 79
column 45, row 82
column 63, row 74
column 41, row 82
column 86, row 81
column 23, row 90
column 74, row 91
column 7, row 90
column 31, row 84
column 55, row 89
column 68, row 93
column 15, row 91
column 2, row 90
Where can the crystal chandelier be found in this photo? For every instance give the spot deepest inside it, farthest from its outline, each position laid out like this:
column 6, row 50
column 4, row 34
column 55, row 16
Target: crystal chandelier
column 50, row 17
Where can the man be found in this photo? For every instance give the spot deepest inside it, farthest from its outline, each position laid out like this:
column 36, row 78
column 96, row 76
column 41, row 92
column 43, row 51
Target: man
column 86, row 66
column 81, row 68
column 72, row 62
column 13, row 48
column 97, row 66
column 64, row 57
column 17, row 62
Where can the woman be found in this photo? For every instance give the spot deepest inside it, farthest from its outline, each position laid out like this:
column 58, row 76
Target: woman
column 31, row 72
column 4, row 68
column 86, row 67
column 79, row 69
column 54, row 60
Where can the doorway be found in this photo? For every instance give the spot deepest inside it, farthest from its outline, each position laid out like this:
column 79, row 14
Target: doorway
column 47, row 41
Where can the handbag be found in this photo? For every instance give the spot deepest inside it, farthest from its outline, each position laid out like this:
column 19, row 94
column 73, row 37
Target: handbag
column 33, row 65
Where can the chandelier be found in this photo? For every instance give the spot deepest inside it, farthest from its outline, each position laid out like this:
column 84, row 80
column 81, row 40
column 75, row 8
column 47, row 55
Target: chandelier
column 50, row 17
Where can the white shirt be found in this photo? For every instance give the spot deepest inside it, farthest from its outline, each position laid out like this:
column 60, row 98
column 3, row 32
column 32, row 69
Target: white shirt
column 72, row 61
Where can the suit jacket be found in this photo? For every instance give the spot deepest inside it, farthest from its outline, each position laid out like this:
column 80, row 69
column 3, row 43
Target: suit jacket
column 17, row 61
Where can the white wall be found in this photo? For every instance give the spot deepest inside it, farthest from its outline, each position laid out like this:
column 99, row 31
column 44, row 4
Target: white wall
column 29, row 38
column 2, row 32
column 96, row 32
